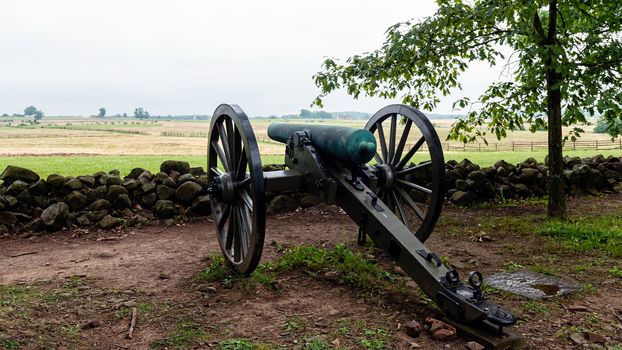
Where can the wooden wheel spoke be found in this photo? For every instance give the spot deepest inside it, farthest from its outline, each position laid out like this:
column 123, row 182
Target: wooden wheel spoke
column 410, row 153
column 241, row 167
column 246, row 199
column 224, row 140
column 400, row 208
column 233, row 150
column 221, row 156
column 247, row 228
column 403, row 139
column 415, row 186
column 392, row 135
column 237, row 241
column 216, row 171
column 378, row 159
column 411, row 203
column 413, row 169
column 383, row 142
column 230, row 233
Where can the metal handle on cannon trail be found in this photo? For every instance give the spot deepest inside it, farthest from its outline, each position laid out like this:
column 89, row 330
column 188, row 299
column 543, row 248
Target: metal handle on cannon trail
column 347, row 145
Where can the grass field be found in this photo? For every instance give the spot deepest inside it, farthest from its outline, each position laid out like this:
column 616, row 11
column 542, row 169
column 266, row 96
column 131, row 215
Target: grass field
column 84, row 149
column 82, row 165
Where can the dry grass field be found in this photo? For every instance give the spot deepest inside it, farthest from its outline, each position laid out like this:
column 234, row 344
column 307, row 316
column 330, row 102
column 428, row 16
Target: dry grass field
column 71, row 144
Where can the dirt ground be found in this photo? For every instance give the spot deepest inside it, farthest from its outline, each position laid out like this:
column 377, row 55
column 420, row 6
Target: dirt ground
column 74, row 289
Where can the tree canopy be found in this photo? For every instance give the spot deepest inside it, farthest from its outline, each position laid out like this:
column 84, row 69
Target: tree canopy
column 561, row 59
column 102, row 112
column 30, row 110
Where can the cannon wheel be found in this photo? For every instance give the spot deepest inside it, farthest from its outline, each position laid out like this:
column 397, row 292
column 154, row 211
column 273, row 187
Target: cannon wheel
column 237, row 188
column 394, row 162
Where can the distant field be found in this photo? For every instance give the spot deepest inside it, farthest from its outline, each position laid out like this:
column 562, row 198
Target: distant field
column 90, row 144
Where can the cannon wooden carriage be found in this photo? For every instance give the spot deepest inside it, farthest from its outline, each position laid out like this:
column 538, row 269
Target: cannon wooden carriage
column 388, row 177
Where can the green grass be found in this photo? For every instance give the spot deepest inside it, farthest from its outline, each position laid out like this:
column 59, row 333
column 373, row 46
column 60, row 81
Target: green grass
column 83, row 165
column 184, row 334
column 600, row 233
column 352, row 268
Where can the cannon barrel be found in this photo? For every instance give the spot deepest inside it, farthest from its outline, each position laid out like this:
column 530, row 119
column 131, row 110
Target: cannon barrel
column 348, row 145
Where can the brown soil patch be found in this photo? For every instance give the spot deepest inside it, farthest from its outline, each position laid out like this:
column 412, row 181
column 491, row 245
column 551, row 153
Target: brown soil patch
column 152, row 267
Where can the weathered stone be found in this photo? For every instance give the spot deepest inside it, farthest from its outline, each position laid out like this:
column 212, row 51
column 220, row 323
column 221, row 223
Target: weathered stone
column 56, row 181
column 282, row 204
column 113, row 181
column 100, row 204
column 83, row 220
column 3, row 229
column 463, row 185
column 148, row 200
column 100, row 192
column 413, row 328
column 131, row 184
column 2, row 207
column 114, row 192
column 164, row 192
column 135, row 173
column 201, row 206
column 596, row 180
column 203, row 180
column 571, row 161
column 54, row 216
column 174, row 175
column 160, row 177
column 39, row 187
column 477, row 176
column 522, row 190
column 309, row 201
column 95, row 216
column 13, row 173
column 185, row 178
column 108, row 222
column 509, row 168
column 572, row 177
column 187, row 191
column 582, row 169
column 474, row 346
column 462, row 198
column 9, row 201
column 16, row 187
column 170, row 182
column 102, row 179
column 89, row 181
column 530, row 284
column 71, row 185
column 127, row 213
column 7, row 218
column 76, row 200
column 528, row 175
column 181, row 167
column 24, row 198
column 197, row 171
column 148, row 187
column 165, row 209
column 122, row 202
column 443, row 334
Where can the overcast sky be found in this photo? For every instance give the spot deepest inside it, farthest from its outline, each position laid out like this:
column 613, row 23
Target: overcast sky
column 71, row 57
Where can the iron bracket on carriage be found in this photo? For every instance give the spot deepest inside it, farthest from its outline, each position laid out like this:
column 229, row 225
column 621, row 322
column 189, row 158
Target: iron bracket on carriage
column 394, row 193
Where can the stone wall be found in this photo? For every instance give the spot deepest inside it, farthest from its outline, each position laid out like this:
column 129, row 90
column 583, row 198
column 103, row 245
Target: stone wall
column 28, row 202
column 106, row 200
column 468, row 183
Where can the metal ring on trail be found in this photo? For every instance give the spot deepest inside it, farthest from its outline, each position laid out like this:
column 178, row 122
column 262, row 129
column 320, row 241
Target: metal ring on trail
column 236, row 187
column 402, row 190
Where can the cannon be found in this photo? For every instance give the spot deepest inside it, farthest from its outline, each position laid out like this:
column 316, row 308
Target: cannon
column 391, row 185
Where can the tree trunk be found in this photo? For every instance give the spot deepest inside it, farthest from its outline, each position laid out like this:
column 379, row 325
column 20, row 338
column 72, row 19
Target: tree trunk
column 556, row 185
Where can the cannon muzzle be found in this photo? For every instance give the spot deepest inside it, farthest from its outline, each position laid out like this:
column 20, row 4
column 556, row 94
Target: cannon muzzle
column 348, row 145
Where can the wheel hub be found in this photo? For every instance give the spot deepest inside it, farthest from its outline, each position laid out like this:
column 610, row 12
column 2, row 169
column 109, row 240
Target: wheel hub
column 226, row 188
column 387, row 174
